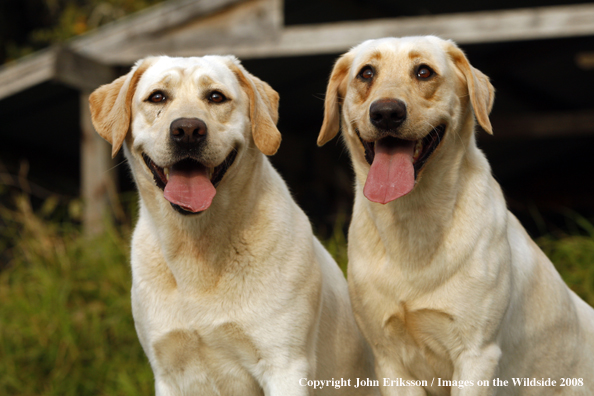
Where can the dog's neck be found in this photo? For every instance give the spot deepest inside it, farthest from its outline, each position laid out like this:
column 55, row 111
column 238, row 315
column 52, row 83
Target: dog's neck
column 200, row 248
column 414, row 227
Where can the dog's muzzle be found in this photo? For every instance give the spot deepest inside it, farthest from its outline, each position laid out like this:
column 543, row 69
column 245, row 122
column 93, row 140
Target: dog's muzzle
column 188, row 184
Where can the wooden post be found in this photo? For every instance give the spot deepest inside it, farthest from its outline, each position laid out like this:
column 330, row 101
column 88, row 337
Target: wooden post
column 97, row 173
column 98, row 176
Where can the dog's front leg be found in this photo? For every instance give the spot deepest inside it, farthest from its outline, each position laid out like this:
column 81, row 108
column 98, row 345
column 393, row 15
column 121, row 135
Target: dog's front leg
column 474, row 366
column 289, row 379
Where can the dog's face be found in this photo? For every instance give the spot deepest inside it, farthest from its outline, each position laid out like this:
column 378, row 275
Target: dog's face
column 187, row 123
column 402, row 100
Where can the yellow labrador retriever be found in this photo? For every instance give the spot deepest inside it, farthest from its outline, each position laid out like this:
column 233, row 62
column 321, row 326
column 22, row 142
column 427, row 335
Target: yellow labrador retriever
column 446, row 285
column 231, row 293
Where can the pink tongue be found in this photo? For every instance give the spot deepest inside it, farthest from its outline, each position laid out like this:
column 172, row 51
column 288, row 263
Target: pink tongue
column 392, row 174
column 190, row 188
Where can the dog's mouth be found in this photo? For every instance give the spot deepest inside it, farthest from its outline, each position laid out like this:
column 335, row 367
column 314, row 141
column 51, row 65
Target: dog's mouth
column 189, row 185
column 396, row 164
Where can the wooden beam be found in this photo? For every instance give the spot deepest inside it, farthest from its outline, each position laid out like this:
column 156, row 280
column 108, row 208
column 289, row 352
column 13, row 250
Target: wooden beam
column 146, row 25
column 57, row 63
column 464, row 28
column 546, row 125
column 177, row 28
column 80, row 72
column 249, row 24
column 26, row 72
column 99, row 44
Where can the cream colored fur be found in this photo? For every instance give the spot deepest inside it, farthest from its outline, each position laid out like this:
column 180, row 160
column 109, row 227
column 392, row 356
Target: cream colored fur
column 241, row 299
column 445, row 282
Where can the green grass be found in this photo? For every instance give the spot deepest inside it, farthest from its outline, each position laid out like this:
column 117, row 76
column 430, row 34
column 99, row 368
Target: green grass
column 65, row 319
column 66, row 325
column 337, row 244
column 573, row 257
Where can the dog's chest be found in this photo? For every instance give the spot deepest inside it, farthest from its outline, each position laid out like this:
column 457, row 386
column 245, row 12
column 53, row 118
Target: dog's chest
column 421, row 331
column 207, row 361
column 424, row 337
column 197, row 344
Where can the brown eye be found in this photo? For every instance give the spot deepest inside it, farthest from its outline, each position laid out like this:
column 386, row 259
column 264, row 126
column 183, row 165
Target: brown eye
column 217, row 97
column 157, row 97
column 424, row 72
column 366, row 73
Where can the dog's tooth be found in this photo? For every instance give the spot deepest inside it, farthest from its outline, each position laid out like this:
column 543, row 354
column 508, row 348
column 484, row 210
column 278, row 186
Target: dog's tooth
column 166, row 171
column 210, row 172
column 418, row 148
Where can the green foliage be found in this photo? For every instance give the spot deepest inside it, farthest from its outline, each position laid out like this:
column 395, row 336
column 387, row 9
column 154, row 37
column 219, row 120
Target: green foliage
column 337, row 244
column 74, row 18
column 67, row 325
column 573, row 257
column 65, row 19
column 573, row 254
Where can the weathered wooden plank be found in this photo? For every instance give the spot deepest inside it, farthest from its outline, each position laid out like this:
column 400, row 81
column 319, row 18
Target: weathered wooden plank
column 40, row 66
column 27, row 72
column 464, row 28
column 254, row 22
column 56, row 63
column 80, row 72
column 177, row 28
column 146, row 24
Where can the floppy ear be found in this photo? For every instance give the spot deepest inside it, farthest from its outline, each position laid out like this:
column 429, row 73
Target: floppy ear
column 111, row 107
column 480, row 90
column 263, row 109
column 334, row 95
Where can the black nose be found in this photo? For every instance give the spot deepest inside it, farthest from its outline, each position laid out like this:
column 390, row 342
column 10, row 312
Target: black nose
column 187, row 131
column 387, row 114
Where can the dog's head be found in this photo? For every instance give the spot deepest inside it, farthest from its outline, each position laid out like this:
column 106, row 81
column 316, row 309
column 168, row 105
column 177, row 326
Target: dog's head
column 187, row 122
column 402, row 100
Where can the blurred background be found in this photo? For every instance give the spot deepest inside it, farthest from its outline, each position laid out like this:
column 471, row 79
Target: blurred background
column 67, row 209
